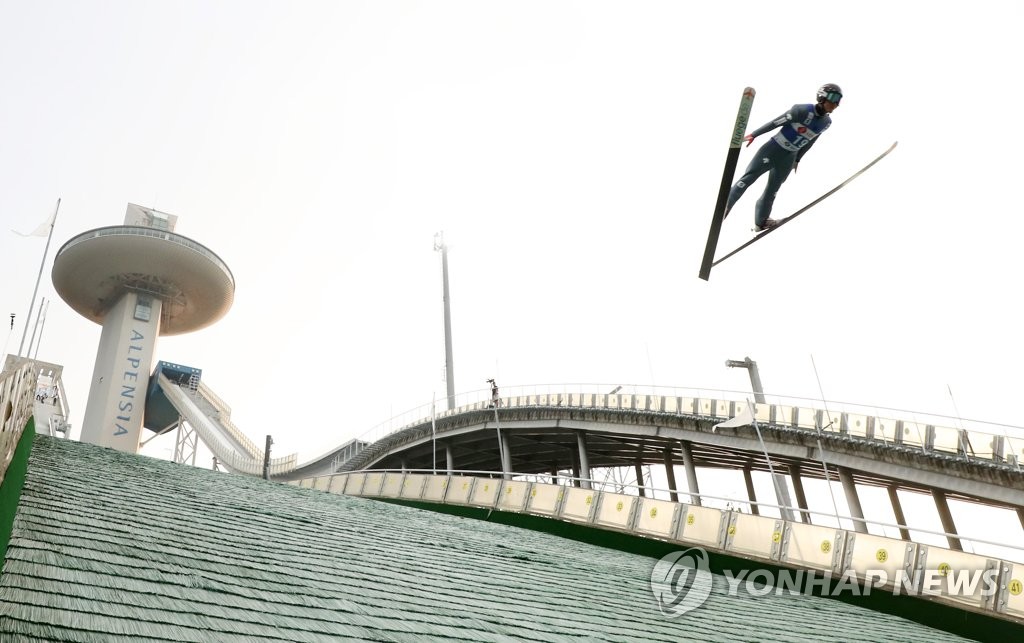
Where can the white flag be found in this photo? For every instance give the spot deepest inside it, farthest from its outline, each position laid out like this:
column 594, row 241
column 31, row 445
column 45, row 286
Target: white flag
column 745, row 418
column 44, row 228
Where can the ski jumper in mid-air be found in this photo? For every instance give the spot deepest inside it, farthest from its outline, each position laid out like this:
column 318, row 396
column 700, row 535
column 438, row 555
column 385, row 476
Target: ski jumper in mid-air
column 801, row 126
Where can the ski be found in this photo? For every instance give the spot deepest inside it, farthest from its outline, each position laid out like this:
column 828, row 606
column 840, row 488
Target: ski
column 807, row 207
column 738, row 130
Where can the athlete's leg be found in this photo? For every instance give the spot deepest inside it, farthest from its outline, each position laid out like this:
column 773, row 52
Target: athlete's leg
column 781, row 166
column 760, row 164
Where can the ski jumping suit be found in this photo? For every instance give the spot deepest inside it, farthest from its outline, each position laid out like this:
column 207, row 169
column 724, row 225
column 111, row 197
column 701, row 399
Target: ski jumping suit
column 801, row 126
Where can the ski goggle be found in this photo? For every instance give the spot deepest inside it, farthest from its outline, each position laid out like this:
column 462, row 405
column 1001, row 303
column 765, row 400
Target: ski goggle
column 833, row 97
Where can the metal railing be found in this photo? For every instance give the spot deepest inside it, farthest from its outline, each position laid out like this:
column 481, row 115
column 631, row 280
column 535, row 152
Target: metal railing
column 962, row 438
column 17, row 404
column 140, row 231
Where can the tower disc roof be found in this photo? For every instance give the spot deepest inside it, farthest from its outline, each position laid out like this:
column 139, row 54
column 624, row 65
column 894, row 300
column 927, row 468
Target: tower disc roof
column 94, row 269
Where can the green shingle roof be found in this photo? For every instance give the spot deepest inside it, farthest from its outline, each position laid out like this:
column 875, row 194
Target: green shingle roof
column 110, row 546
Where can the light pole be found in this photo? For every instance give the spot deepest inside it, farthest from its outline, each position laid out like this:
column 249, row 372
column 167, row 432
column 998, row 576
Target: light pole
column 755, row 378
column 778, row 480
column 449, row 368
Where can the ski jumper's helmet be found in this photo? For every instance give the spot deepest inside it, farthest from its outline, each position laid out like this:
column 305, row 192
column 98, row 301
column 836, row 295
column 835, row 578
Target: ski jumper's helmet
column 830, row 92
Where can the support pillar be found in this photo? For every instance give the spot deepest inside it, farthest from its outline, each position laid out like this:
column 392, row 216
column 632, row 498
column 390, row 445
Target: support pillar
column 554, row 474
column 1020, row 516
column 748, row 479
column 897, row 511
column 581, row 446
column 450, row 458
column 853, row 500
column 670, row 473
column 691, row 473
column 506, row 455
column 947, row 519
column 576, row 473
column 801, row 497
column 640, row 479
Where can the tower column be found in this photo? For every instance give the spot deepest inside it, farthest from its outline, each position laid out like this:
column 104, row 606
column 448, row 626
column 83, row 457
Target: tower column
column 117, row 396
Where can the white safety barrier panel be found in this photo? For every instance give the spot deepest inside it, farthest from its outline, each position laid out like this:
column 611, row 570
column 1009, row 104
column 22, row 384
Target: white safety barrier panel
column 513, row 495
column 412, row 486
column 354, row 485
column 813, row 546
column 459, row 488
column 831, row 421
column 578, row 503
column 958, row 576
column 321, row 483
column 1011, row 599
column 885, row 430
column 485, row 492
column 806, row 418
column 914, row 433
column 785, row 415
column 702, row 525
column 656, row 517
column 857, row 424
column 758, row 536
column 762, row 412
column 870, row 556
column 616, row 510
column 705, row 406
column 545, row 499
column 687, row 405
column 723, row 409
column 337, row 484
column 392, row 487
column 435, row 488
column 947, row 439
column 372, row 484
column 983, row 445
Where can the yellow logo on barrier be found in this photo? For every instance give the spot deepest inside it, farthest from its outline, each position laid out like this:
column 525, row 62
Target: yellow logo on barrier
column 465, row 485
column 732, row 530
column 944, row 569
column 826, row 546
column 1016, row 587
column 881, row 555
column 533, row 493
column 777, row 537
column 508, row 489
column 590, row 499
column 654, row 512
column 690, row 519
column 486, row 487
column 619, row 506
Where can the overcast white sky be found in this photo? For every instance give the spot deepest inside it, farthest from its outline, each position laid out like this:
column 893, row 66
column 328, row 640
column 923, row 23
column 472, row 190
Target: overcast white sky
column 571, row 152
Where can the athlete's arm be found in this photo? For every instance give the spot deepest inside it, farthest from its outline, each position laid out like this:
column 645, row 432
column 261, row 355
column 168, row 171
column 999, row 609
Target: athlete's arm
column 769, row 126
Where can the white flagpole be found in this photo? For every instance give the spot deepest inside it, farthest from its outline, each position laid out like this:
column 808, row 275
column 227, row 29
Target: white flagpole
column 42, row 265
column 41, row 322
column 35, row 327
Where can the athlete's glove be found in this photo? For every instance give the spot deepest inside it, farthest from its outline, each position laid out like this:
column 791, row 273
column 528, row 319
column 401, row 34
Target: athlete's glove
column 749, row 138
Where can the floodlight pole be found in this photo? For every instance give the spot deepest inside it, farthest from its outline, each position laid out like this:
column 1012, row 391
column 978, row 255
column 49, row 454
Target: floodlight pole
column 755, row 377
column 449, row 367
